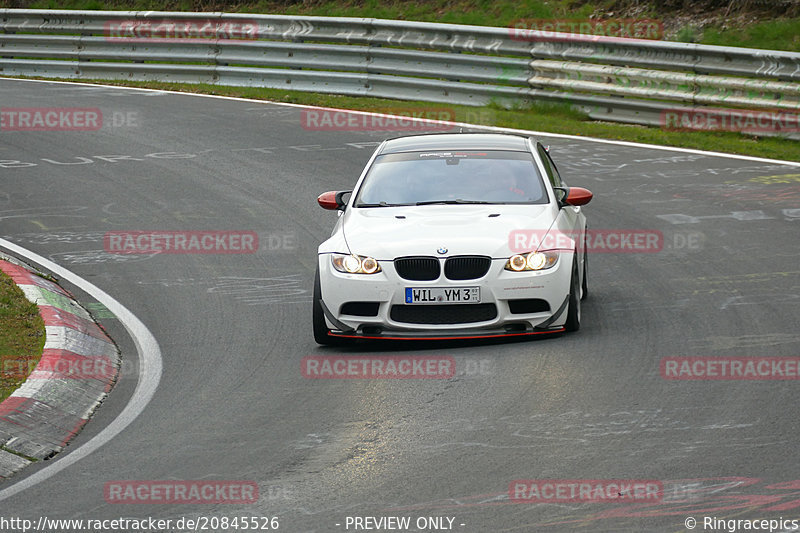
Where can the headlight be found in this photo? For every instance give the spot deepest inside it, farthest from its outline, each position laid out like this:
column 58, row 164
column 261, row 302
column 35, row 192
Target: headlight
column 532, row 261
column 355, row 264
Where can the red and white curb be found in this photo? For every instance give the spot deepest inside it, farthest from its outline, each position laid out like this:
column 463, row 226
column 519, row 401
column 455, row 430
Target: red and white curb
column 78, row 367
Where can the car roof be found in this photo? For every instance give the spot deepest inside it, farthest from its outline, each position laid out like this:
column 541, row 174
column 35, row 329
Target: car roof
column 456, row 141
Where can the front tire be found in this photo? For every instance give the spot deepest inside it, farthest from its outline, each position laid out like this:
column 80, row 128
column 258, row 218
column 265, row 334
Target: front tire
column 585, row 282
column 573, row 322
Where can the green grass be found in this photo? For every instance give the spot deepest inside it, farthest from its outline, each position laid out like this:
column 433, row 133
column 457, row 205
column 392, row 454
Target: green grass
column 553, row 118
column 772, row 35
column 21, row 336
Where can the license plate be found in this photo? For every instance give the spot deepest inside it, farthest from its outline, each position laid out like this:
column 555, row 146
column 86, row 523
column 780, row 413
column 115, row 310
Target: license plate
column 441, row 295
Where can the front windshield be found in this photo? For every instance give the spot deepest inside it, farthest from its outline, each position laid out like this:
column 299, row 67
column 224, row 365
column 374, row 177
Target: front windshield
column 418, row 178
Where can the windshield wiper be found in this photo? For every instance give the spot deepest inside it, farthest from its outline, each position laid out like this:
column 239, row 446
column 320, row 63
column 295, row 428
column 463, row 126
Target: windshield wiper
column 380, row 204
column 456, row 201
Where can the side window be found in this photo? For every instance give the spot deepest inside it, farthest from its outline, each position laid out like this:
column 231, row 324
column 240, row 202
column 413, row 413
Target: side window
column 549, row 167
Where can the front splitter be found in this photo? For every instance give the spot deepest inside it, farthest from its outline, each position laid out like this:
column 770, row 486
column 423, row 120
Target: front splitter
column 450, row 335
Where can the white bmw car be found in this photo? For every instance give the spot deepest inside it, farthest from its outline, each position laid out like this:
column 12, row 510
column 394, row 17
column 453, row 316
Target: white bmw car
column 452, row 236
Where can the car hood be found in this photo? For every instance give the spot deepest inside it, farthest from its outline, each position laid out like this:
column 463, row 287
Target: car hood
column 388, row 232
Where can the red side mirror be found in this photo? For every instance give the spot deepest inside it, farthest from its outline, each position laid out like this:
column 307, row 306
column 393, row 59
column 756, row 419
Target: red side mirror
column 331, row 200
column 578, row 196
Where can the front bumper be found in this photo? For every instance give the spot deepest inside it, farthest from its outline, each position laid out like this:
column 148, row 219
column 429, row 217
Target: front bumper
column 500, row 315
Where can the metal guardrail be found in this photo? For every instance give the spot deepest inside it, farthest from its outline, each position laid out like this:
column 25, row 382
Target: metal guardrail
column 624, row 80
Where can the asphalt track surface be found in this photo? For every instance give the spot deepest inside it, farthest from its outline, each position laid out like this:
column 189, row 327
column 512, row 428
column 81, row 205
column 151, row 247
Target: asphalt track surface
column 232, row 403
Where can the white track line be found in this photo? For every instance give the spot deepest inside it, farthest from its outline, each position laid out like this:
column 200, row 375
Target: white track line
column 462, row 124
column 149, row 373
